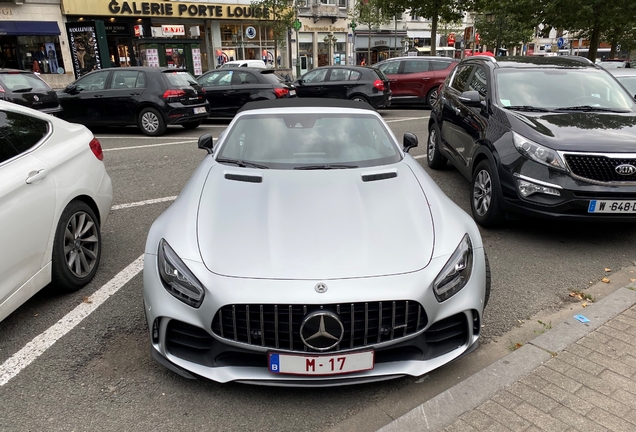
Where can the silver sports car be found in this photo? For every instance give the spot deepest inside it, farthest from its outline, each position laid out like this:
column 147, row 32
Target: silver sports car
column 309, row 249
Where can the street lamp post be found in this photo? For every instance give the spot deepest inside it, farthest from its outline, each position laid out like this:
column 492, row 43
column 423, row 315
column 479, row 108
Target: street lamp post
column 297, row 25
column 330, row 40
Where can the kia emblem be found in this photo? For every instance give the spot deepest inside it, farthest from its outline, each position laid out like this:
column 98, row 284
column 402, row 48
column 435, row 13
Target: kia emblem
column 625, row 169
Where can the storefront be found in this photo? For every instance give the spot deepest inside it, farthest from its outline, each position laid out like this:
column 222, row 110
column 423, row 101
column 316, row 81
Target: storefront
column 322, row 43
column 383, row 45
column 29, row 43
column 199, row 36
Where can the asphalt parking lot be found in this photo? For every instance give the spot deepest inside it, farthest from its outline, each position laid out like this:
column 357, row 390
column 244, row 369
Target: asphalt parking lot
column 98, row 374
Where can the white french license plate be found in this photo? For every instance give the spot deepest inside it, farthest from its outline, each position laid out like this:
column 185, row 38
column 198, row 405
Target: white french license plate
column 200, row 110
column 611, row 206
column 320, row 364
column 292, row 92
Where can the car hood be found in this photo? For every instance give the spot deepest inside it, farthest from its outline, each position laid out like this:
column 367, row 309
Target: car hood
column 580, row 131
column 319, row 225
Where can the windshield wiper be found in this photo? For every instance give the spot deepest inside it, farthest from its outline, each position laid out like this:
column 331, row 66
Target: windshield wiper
column 587, row 108
column 242, row 164
column 324, row 167
column 527, row 108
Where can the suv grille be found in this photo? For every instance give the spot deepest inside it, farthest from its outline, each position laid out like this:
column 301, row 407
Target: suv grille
column 599, row 168
column 278, row 326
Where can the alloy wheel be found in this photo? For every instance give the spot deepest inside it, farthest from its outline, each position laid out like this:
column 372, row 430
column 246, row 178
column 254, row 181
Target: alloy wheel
column 482, row 192
column 81, row 244
column 432, row 138
column 150, row 122
column 432, row 98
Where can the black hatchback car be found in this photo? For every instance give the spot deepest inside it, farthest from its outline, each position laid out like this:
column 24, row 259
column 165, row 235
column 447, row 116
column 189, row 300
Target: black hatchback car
column 358, row 83
column 228, row 89
column 543, row 136
column 27, row 89
column 151, row 98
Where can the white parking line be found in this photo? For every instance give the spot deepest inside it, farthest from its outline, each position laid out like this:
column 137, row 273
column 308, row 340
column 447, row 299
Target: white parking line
column 419, row 157
column 133, row 137
column 34, row 349
column 149, row 145
column 406, row 119
column 143, row 203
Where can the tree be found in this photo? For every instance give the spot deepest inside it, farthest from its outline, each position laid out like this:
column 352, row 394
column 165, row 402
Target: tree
column 502, row 29
column 371, row 14
column 279, row 17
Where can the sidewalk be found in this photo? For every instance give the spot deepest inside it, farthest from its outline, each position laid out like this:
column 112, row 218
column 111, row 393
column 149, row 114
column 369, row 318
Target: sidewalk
column 575, row 377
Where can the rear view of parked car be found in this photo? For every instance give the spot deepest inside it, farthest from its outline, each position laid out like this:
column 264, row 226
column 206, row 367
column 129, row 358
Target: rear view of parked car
column 55, row 195
column 27, row 89
column 416, row 80
column 358, row 83
column 228, row 89
column 150, row 98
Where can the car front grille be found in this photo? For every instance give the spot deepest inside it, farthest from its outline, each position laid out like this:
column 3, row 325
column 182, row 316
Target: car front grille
column 278, row 326
column 599, row 168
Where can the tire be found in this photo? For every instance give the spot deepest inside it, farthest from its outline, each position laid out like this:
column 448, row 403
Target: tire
column 77, row 240
column 151, row 122
column 488, row 280
column 485, row 196
column 433, row 156
column 359, row 99
column 192, row 125
column 432, row 96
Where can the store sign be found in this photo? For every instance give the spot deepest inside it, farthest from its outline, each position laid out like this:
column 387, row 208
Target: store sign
column 84, row 49
column 161, row 9
column 6, row 13
column 173, row 30
column 115, row 29
column 380, row 42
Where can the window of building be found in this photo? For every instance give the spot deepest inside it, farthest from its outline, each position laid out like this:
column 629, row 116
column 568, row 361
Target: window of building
column 37, row 53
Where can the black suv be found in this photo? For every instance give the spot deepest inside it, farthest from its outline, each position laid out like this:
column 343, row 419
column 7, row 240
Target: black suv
column 543, row 136
column 148, row 97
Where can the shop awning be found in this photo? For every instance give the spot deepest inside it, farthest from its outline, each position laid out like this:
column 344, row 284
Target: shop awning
column 29, row 28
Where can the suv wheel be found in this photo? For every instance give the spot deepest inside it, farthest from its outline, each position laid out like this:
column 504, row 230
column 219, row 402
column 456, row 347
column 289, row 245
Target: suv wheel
column 434, row 158
column 151, row 122
column 432, row 96
column 485, row 199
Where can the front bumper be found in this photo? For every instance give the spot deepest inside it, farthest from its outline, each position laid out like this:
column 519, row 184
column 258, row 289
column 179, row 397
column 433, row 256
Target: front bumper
column 185, row 340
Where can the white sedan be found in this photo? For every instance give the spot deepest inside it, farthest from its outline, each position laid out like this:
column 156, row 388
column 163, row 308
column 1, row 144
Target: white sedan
column 55, row 195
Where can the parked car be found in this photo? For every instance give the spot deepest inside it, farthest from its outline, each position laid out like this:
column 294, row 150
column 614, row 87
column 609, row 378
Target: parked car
column 615, row 64
column 228, row 89
column 260, row 64
column 150, row 98
column 309, row 249
column 358, row 83
column 416, row 80
column 548, row 136
column 27, row 89
column 55, row 195
column 627, row 77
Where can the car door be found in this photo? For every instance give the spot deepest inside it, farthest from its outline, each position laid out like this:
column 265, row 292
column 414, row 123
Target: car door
column 337, row 85
column 391, row 69
column 219, row 92
column 27, row 200
column 312, row 84
column 122, row 95
column 247, row 87
column 83, row 102
column 453, row 112
column 416, row 78
column 475, row 119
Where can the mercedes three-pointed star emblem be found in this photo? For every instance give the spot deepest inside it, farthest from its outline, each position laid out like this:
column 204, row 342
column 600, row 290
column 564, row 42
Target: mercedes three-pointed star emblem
column 321, row 330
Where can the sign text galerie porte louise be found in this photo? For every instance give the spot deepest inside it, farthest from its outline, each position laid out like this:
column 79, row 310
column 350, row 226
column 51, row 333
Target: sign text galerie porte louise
column 185, row 10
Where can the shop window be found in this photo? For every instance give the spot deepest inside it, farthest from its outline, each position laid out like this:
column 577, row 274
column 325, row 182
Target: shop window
column 40, row 53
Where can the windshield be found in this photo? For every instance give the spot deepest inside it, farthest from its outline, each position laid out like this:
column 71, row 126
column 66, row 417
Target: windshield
column 18, row 81
column 180, row 79
column 309, row 141
column 629, row 82
column 612, row 65
column 560, row 88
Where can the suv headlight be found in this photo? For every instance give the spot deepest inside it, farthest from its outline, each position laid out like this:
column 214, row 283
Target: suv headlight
column 177, row 279
column 456, row 273
column 538, row 153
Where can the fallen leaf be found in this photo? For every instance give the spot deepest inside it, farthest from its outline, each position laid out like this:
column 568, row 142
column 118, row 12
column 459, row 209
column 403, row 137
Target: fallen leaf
column 576, row 295
column 87, row 300
column 605, row 280
column 36, row 315
column 632, row 280
column 607, row 269
column 518, row 345
column 584, row 304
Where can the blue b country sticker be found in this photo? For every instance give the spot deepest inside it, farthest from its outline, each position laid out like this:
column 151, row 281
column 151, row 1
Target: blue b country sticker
column 274, row 363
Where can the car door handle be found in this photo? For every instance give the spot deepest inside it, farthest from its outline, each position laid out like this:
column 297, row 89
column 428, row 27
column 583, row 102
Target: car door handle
column 99, row 95
column 227, row 93
column 35, row 176
column 426, row 78
column 392, row 80
column 135, row 94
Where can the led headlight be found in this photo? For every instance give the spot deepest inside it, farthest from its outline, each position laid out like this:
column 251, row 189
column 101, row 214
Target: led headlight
column 538, row 153
column 456, row 273
column 527, row 188
column 177, row 279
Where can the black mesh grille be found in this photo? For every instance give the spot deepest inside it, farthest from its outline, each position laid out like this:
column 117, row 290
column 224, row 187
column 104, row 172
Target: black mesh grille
column 599, row 168
column 269, row 325
column 446, row 335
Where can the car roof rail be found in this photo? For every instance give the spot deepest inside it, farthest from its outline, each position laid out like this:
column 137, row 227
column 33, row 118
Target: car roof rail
column 483, row 57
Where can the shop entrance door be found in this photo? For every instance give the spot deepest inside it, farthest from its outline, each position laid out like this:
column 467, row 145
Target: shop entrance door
column 118, row 51
column 9, row 54
column 304, row 67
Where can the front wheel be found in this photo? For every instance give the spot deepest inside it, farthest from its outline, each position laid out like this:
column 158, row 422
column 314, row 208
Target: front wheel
column 485, row 198
column 151, row 122
column 77, row 247
column 192, row 125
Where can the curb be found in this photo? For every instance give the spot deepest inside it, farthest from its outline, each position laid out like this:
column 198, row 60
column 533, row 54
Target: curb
column 441, row 411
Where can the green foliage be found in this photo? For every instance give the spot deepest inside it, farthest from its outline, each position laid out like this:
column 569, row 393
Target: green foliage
column 502, row 29
column 281, row 16
column 372, row 14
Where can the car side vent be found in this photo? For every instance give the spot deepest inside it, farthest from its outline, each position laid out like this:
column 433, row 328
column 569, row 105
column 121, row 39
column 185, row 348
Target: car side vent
column 379, row 176
column 244, row 178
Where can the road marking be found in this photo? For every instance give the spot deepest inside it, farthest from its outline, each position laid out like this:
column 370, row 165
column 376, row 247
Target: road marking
column 419, row 157
column 133, row 137
column 214, row 126
column 407, row 119
column 143, row 203
column 39, row 344
column 149, row 145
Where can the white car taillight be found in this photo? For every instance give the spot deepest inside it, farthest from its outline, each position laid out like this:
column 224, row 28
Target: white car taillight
column 96, row 148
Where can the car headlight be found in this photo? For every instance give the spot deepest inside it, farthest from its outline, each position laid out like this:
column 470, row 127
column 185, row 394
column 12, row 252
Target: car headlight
column 456, row 273
column 538, row 153
column 177, row 279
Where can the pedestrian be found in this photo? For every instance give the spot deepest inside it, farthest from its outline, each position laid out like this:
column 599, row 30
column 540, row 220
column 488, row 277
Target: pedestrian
column 363, row 62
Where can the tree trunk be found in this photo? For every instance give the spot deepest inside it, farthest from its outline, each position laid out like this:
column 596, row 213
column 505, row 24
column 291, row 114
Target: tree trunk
column 435, row 19
column 594, row 41
column 613, row 49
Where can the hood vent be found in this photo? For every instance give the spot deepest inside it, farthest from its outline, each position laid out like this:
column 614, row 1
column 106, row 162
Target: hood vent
column 244, row 178
column 379, row 176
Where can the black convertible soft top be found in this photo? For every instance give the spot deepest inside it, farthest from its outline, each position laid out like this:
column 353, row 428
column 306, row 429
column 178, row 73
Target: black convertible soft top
column 297, row 102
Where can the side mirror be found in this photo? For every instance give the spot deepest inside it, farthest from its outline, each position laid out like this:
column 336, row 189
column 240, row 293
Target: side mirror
column 206, row 142
column 410, row 141
column 470, row 98
column 299, row 81
column 71, row 88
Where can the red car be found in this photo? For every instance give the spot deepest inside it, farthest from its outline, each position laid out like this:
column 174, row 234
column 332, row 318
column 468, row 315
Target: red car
column 415, row 80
